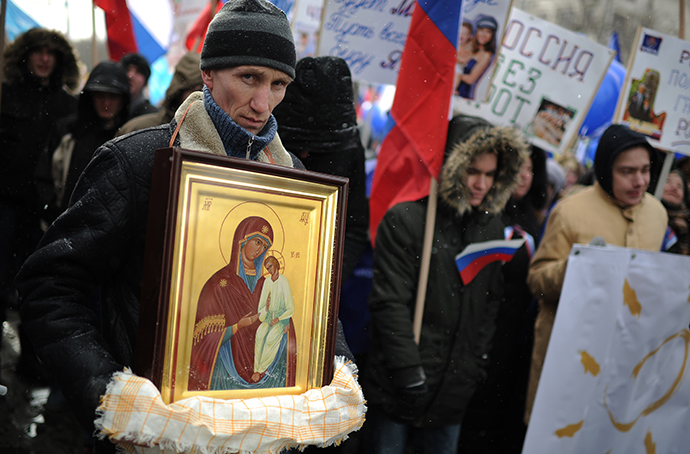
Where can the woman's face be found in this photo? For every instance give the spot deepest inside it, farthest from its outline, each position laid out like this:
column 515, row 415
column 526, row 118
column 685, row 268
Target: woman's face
column 673, row 191
column 253, row 248
column 484, row 36
column 524, row 180
column 107, row 105
column 465, row 34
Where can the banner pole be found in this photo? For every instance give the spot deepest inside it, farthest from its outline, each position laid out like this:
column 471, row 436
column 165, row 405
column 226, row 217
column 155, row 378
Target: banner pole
column 426, row 259
column 94, row 49
column 2, row 43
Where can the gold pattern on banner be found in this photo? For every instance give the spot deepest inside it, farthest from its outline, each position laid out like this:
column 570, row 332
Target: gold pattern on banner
column 207, row 325
column 630, row 299
column 624, row 427
column 589, row 363
column 649, row 445
column 569, row 430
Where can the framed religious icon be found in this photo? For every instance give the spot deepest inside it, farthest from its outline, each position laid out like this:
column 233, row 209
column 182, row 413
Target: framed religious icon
column 242, row 277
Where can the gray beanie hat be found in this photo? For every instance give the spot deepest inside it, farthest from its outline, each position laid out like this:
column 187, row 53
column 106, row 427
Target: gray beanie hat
column 249, row 32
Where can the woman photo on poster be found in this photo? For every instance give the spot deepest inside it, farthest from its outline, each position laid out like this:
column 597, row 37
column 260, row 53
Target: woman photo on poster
column 483, row 52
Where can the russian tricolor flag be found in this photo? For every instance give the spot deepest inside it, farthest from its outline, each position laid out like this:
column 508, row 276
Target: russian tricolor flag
column 412, row 152
column 144, row 27
column 477, row 255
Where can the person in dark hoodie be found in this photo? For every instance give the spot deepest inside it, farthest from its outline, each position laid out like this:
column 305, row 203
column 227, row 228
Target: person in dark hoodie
column 616, row 208
column 102, row 110
column 39, row 65
column 186, row 80
column 317, row 121
column 423, row 390
column 138, row 72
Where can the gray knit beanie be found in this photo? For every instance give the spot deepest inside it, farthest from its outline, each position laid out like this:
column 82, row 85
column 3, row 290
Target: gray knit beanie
column 249, row 32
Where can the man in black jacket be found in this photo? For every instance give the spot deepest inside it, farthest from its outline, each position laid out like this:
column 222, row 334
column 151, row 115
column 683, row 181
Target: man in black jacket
column 425, row 388
column 97, row 245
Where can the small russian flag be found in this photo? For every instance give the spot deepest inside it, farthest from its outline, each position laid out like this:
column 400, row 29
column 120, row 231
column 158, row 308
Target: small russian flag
column 669, row 239
column 477, row 255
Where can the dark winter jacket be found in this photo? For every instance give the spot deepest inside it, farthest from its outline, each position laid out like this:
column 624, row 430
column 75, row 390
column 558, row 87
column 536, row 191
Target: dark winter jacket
column 459, row 320
column 96, row 248
column 76, row 139
column 30, row 110
column 317, row 121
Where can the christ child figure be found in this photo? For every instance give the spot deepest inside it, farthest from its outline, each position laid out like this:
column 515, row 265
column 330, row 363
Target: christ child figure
column 276, row 307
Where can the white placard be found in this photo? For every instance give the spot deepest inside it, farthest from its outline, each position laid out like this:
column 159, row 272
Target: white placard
column 655, row 99
column 615, row 377
column 544, row 83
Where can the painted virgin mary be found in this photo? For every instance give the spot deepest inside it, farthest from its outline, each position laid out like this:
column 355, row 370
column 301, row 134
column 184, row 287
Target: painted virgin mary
column 227, row 320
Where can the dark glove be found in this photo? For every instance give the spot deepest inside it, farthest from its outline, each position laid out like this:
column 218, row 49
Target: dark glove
column 412, row 391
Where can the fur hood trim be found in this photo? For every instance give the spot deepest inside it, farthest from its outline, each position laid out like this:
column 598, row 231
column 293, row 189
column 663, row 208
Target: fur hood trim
column 199, row 133
column 16, row 53
column 512, row 151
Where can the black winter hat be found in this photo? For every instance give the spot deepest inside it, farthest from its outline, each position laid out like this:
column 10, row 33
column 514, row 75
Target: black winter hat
column 108, row 77
column 249, row 32
column 615, row 140
column 138, row 62
column 318, row 112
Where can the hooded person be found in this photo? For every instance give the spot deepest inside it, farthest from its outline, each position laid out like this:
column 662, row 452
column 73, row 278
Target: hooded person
column 39, row 66
column 105, row 223
column 426, row 388
column 616, row 208
column 101, row 111
column 185, row 80
column 138, row 71
column 317, row 121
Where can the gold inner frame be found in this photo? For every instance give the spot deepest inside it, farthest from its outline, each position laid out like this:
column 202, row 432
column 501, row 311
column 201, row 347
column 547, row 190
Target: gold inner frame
column 212, row 201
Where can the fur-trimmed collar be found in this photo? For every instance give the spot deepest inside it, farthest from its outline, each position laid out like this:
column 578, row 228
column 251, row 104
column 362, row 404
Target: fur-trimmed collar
column 512, row 151
column 199, row 133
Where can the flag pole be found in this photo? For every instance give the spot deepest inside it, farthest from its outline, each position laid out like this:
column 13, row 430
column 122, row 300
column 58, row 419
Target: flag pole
column 2, row 43
column 94, row 49
column 670, row 155
column 426, row 259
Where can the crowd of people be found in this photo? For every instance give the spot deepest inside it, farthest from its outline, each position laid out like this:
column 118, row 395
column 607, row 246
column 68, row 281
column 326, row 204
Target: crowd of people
column 74, row 202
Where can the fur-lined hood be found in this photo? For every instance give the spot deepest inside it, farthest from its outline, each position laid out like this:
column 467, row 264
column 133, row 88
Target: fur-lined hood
column 468, row 137
column 16, row 53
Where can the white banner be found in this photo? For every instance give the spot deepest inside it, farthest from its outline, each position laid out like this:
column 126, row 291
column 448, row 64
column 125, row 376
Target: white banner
column 544, row 82
column 655, row 99
column 615, row 377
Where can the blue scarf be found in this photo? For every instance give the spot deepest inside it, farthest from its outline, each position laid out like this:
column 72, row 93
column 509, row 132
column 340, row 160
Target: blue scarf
column 234, row 137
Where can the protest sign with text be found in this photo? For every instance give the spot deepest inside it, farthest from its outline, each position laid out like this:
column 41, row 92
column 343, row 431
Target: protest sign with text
column 655, row 99
column 615, row 377
column 370, row 35
column 544, row 82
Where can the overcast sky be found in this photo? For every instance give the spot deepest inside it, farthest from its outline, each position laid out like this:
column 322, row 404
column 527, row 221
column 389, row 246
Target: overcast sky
column 72, row 17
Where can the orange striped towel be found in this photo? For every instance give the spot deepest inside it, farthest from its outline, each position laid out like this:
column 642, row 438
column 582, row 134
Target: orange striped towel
column 133, row 415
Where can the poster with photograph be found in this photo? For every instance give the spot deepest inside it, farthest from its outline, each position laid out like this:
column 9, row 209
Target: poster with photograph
column 481, row 30
column 655, row 100
column 545, row 79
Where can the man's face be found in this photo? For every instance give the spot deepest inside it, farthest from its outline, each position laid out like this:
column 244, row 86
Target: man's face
column 41, row 62
column 248, row 94
column 107, row 105
column 631, row 176
column 480, row 177
column 136, row 81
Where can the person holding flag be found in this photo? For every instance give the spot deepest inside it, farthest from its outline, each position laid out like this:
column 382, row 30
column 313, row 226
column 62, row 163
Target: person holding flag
column 426, row 387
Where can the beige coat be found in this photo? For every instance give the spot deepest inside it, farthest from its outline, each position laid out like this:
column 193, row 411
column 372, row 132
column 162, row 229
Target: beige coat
column 578, row 219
